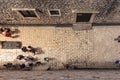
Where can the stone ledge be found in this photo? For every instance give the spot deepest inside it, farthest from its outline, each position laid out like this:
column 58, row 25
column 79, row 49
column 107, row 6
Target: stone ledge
column 78, row 27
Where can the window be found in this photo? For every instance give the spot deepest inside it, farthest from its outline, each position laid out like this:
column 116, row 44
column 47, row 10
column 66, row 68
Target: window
column 26, row 13
column 54, row 12
column 83, row 17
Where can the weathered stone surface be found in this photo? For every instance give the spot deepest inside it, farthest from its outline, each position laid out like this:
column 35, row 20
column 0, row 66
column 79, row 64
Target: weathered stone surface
column 94, row 48
column 63, row 44
column 108, row 10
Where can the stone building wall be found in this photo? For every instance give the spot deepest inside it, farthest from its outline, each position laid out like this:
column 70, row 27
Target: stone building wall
column 108, row 10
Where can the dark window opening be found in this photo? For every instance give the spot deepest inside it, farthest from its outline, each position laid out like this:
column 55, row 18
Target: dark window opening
column 54, row 12
column 83, row 17
column 28, row 13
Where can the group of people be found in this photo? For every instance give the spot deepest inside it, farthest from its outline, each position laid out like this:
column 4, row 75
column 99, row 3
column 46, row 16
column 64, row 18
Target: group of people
column 25, row 63
column 7, row 32
column 29, row 49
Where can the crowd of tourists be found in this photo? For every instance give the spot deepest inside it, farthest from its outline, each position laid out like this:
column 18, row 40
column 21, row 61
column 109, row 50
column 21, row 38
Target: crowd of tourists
column 25, row 63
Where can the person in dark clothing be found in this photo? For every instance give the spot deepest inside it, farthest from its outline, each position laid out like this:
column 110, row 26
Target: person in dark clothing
column 8, row 65
column 118, row 39
column 24, row 49
column 31, row 49
column 6, row 32
column 22, row 66
column 1, row 30
column 20, row 57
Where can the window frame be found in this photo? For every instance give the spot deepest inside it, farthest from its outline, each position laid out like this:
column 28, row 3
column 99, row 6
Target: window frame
column 54, row 10
column 26, row 9
column 83, row 16
column 90, row 20
column 93, row 12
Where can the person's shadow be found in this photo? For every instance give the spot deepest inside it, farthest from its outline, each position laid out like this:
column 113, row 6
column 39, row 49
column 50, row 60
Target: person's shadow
column 117, row 39
column 39, row 50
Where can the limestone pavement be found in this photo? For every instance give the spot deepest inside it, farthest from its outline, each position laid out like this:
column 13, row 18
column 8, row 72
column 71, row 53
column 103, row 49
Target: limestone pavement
column 93, row 48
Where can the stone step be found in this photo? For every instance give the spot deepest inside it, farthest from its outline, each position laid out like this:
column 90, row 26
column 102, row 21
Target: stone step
column 82, row 26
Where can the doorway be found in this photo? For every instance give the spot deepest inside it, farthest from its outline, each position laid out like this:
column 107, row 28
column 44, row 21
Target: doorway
column 83, row 17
